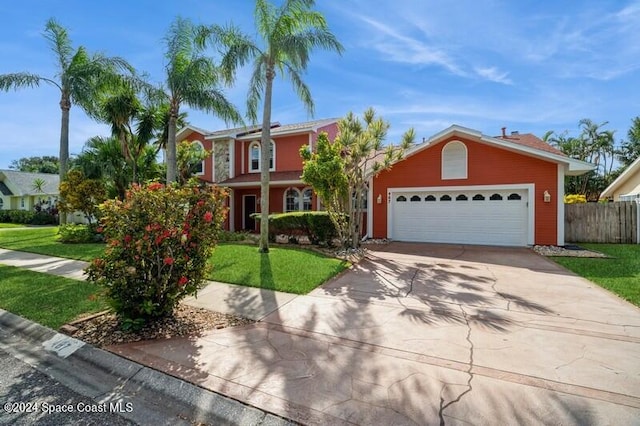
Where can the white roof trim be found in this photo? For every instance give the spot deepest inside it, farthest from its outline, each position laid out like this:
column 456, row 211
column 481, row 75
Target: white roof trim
column 257, row 184
column 574, row 167
column 190, row 129
column 608, row 192
column 277, row 132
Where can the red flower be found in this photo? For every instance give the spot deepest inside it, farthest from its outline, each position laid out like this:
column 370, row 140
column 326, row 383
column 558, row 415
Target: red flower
column 155, row 186
column 168, row 260
column 182, row 281
column 208, row 216
column 99, row 229
column 127, row 239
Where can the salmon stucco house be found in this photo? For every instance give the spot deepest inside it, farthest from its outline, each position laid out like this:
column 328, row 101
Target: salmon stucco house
column 459, row 186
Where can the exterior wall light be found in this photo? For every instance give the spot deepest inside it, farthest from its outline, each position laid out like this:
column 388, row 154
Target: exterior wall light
column 547, row 196
column 379, row 199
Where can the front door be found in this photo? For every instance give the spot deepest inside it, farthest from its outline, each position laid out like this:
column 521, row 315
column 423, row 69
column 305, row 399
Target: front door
column 248, row 223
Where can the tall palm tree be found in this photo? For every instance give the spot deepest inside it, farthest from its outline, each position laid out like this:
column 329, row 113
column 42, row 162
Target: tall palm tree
column 192, row 79
column 287, row 35
column 79, row 78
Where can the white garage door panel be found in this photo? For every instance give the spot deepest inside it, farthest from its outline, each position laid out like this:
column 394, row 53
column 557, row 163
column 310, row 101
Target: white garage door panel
column 492, row 222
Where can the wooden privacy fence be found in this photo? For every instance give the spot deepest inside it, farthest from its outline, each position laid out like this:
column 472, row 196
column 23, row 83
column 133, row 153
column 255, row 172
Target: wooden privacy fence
column 601, row 222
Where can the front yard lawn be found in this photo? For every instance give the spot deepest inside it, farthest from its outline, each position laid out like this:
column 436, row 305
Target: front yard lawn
column 283, row 269
column 10, row 225
column 45, row 241
column 47, row 299
column 620, row 274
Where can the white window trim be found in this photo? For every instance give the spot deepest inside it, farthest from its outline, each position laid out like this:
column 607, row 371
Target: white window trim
column 258, row 144
column 201, row 147
column 445, row 170
column 300, row 196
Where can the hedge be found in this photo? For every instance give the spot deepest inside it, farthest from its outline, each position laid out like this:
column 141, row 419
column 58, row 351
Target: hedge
column 27, row 217
column 317, row 226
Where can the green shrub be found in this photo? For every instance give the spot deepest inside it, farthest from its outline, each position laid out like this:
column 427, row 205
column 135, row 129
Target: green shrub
column 76, row 233
column 317, row 226
column 43, row 218
column 20, row 216
column 230, row 237
column 159, row 239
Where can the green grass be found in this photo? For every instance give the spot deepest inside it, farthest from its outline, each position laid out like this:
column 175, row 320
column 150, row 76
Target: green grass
column 284, row 269
column 45, row 241
column 620, row 274
column 47, row 299
column 10, row 225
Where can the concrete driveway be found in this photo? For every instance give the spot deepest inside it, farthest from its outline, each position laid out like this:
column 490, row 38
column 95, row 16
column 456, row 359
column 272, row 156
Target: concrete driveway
column 428, row 334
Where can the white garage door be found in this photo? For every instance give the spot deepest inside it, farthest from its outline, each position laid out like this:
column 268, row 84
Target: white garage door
column 491, row 217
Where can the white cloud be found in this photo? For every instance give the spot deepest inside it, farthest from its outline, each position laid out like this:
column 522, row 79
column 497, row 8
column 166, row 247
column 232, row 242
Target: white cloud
column 493, row 74
column 401, row 48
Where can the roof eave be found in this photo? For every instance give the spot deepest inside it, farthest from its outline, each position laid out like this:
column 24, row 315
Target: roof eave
column 257, row 183
column 609, row 190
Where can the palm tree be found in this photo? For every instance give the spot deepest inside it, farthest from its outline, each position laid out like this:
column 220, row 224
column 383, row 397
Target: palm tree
column 80, row 77
column 192, row 79
column 287, row 36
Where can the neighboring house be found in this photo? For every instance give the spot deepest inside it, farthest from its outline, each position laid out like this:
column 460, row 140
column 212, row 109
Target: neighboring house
column 18, row 190
column 627, row 186
column 235, row 164
column 459, row 186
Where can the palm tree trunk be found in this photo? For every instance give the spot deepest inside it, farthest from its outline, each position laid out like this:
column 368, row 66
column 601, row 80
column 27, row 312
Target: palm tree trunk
column 265, row 154
column 172, row 165
column 65, row 106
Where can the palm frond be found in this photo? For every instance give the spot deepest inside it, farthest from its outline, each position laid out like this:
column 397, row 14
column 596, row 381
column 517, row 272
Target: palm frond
column 256, row 88
column 214, row 101
column 301, row 89
column 60, row 43
column 19, row 80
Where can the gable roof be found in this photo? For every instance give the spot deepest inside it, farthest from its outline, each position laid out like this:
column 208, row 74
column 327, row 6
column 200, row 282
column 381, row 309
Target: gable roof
column 525, row 145
column 189, row 129
column 620, row 180
column 292, row 129
column 22, row 182
column 532, row 141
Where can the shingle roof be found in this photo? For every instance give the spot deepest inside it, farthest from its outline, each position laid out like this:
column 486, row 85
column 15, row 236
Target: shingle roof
column 254, row 178
column 532, row 141
column 292, row 128
column 23, row 182
column 4, row 190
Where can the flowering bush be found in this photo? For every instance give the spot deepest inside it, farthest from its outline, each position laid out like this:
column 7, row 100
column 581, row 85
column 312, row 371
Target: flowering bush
column 575, row 199
column 158, row 241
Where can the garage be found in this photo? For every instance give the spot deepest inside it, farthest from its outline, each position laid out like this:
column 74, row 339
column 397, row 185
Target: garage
column 488, row 216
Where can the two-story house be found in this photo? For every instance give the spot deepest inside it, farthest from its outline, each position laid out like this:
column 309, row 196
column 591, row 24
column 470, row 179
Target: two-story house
column 235, row 164
column 458, row 186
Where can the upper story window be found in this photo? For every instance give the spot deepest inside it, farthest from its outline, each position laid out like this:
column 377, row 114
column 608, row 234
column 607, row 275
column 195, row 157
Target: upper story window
column 198, row 169
column 255, row 156
column 454, row 161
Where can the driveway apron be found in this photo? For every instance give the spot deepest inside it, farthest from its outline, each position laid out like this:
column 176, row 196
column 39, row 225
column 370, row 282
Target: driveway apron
column 428, row 334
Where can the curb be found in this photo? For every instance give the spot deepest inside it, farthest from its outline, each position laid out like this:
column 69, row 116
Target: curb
column 156, row 397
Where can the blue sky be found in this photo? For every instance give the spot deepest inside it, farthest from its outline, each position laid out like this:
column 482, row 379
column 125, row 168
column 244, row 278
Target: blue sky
column 528, row 65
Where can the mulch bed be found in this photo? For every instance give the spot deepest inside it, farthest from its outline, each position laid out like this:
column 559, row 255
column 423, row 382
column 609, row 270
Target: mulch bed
column 105, row 330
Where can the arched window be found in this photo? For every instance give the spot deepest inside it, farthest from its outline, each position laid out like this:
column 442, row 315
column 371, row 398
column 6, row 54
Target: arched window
column 429, row 198
column 461, row 197
column 454, row 160
column 255, row 156
column 198, row 169
column 514, row 196
column 496, row 197
column 445, row 198
column 401, row 198
column 307, row 199
column 291, row 200
column 478, row 197
column 416, row 198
